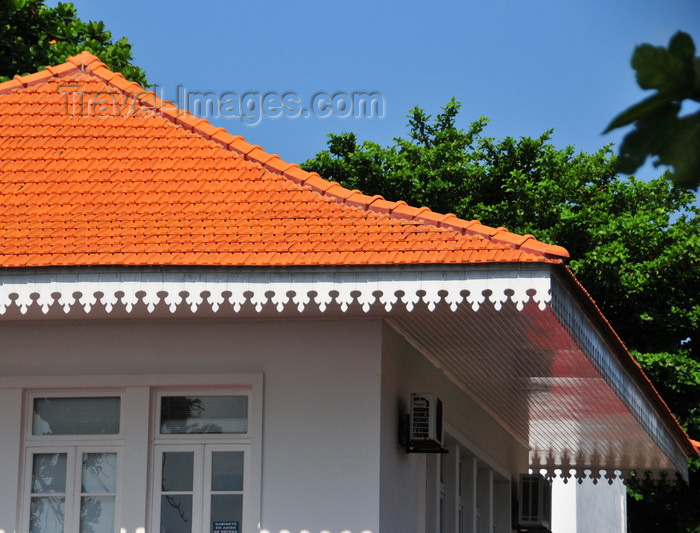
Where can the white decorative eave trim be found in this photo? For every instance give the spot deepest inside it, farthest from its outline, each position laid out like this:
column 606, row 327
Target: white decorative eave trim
column 231, row 291
column 601, row 354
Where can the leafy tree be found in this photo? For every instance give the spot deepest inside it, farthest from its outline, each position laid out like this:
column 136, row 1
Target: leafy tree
column 635, row 245
column 34, row 36
column 674, row 140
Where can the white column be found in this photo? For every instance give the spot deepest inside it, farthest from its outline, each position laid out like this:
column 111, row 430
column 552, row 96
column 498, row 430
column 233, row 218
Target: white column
column 469, row 479
column 451, row 482
column 564, row 506
column 485, row 500
column 502, row 506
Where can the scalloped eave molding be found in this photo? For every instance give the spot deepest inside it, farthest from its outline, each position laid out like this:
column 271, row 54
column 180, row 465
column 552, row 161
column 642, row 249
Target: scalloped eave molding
column 231, row 291
column 597, row 475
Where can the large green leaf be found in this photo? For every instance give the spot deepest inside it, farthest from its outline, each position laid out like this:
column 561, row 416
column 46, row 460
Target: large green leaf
column 657, row 68
column 682, row 46
column 682, row 151
column 641, row 111
column 659, row 131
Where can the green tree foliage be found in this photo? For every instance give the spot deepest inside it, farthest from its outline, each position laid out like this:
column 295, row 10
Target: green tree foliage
column 34, row 36
column 659, row 131
column 635, row 245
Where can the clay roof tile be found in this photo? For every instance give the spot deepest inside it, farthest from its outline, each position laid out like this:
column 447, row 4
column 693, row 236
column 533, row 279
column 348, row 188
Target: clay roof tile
column 132, row 186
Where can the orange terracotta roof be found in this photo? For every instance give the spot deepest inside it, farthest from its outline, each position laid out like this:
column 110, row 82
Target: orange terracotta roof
column 696, row 445
column 94, row 170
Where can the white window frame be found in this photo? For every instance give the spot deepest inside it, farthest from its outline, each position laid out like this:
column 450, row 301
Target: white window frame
column 204, row 444
column 73, row 491
column 233, row 390
column 136, row 435
column 201, row 491
column 31, row 395
column 74, row 446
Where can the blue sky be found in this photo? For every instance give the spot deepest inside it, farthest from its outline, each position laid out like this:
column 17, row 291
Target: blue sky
column 527, row 65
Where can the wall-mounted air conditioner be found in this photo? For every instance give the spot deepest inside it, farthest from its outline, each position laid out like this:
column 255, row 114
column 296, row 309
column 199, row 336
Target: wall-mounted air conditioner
column 535, row 503
column 425, row 425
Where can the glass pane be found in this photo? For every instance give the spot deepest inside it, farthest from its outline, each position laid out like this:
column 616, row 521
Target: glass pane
column 48, row 473
column 47, row 514
column 178, row 471
column 97, row 514
column 99, row 473
column 204, row 414
column 226, row 513
column 76, row 416
column 227, row 471
column 176, row 514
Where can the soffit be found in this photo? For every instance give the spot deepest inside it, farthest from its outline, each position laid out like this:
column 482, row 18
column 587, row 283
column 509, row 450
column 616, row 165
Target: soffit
column 555, row 384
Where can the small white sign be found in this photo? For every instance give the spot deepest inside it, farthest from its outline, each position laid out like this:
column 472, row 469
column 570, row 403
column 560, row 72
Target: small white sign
column 226, row 527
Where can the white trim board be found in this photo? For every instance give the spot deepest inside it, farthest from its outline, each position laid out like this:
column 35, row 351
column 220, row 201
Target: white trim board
column 224, row 292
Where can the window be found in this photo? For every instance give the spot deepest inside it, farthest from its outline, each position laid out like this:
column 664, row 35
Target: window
column 201, row 456
column 201, row 488
column 142, row 453
column 72, row 462
column 203, row 414
column 76, row 416
column 466, row 491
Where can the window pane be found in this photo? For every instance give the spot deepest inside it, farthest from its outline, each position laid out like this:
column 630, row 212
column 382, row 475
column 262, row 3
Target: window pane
column 76, row 416
column 97, row 514
column 48, row 473
column 176, row 514
column 99, row 473
column 227, row 471
column 47, row 514
column 178, row 470
column 204, row 414
column 226, row 513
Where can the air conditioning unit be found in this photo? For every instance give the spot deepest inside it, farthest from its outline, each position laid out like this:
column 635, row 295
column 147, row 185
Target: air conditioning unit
column 425, row 426
column 535, row 503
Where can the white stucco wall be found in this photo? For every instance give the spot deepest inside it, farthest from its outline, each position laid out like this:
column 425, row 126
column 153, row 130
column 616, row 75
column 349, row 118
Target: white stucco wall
column 588, row 507
column 320, row 436
column 324, row 441
column 403, row 492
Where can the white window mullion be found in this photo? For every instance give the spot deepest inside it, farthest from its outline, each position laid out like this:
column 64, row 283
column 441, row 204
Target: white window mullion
column 73, row 491
column 199, row 503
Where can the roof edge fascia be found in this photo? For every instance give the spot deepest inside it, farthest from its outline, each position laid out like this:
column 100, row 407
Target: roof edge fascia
column 47, row 293
column 595, row 332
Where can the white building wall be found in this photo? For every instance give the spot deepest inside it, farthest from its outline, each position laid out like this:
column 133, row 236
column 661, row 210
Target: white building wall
column 10, row 427
column 588, row 507
column 403, row 476
column 320, row 436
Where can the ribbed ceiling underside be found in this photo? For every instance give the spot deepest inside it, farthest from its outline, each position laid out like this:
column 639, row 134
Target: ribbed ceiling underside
column 526, row 370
